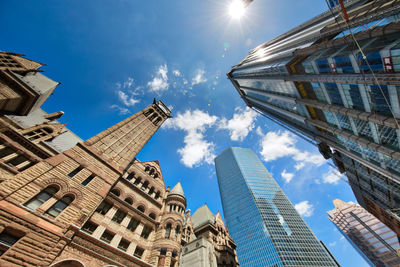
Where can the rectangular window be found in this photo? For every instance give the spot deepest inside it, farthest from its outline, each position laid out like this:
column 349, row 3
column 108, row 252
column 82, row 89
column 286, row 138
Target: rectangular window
column 89, row 227
column 133, row 224
column 7, row 239
column 17, row 160
column 107, row 236
column 104, row 207
column 138, row 252
column 119, row 216
column 75, row 172
column 88, row 180
column 123, row 244
column 146, row 232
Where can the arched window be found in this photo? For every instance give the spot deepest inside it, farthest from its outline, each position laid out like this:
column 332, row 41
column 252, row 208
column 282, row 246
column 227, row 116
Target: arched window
column 157, row 121
column 147, row 169
column 177, row 231
column 137, row 181
column 153, row 116
column 153, row 216
column 141, row 208
column 151, row 191
column 168, row 230
column 144, row 186
column 129, row 200
column 156, row 175
column 130, row 176
column 151, row 172
column 148, row 112
column 42, row 197
column 60, row 205
column 157, row 195
column 115, row 192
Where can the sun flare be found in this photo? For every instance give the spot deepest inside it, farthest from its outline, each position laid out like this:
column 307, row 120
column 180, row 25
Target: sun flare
column 237, row 9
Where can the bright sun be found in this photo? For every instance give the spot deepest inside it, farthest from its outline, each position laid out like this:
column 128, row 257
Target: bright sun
column 236, row 9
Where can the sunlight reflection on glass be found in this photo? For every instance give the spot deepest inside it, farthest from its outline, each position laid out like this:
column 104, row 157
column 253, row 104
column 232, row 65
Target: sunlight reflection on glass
column 237, row 9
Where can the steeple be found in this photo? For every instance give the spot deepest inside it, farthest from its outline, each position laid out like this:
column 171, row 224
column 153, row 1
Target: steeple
column 123, row 141
column 177, row 190
column 339, row 203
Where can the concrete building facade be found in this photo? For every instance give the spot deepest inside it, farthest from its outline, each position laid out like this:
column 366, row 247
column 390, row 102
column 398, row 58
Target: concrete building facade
column 334, row 81
column 68, row 202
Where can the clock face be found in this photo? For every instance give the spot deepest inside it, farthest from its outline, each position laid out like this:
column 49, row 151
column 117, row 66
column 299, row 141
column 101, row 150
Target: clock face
column 163, row 108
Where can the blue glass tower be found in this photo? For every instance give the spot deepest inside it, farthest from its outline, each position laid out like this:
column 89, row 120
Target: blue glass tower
column 266, row 227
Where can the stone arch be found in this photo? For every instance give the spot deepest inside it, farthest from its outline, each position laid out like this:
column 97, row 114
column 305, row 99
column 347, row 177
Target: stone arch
column 75, row 192
column 130, row 176
column 141, row 208
column 157, row 121
column 116, row 191
column 142, row 203
column 129, row 200
column 68, row 263
column 137, row 180
column 148, row 112
column 147, row 168
column 55, row 181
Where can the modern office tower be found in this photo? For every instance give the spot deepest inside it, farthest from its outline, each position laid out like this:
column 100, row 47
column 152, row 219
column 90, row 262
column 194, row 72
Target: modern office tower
column 264, row 224
column 374, row 241
column 339, row 89
column 68, row 202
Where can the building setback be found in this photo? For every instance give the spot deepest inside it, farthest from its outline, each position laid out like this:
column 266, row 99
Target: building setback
column 377, row 244
column 263, row 222
column 315, row 81
column 68, row 202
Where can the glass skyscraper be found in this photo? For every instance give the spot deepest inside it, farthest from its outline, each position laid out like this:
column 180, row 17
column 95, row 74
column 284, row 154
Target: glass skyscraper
column 262, row 221
column 336, row 83
column 372, row 239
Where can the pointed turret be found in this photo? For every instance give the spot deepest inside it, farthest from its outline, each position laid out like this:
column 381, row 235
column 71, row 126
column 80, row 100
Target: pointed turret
column 177, row 190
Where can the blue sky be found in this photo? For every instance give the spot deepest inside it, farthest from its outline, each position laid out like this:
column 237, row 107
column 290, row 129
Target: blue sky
column 113, row 57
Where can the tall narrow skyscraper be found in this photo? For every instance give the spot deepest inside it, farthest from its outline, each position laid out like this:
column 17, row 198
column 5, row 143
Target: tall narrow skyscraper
column 371, row 238
column 262, row 221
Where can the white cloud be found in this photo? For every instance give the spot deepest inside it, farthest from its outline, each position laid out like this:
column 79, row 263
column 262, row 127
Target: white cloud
column 287, row 176
column 304, row 208
column 332, row 244
column 127, row 100
column 196, row 150
column 275, row 145
column 128, row 83
column 160, row 80
column 299, row 166
column 199, row 77
column 240, row 125
column 177, row 73
column 341, row 238
column 331, row 177
column 121, row 110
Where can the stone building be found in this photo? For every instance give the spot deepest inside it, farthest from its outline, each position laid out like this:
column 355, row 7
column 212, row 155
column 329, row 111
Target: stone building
column 212, row 246
column 68, row 202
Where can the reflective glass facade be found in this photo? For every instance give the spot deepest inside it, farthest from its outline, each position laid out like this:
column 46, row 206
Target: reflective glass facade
column 262, row 221
column 335, row 97
column 372, row 239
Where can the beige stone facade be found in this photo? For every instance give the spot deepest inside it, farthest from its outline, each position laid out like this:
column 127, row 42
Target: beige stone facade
column 65, row 202
column 212, row 246
column 69, row 202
